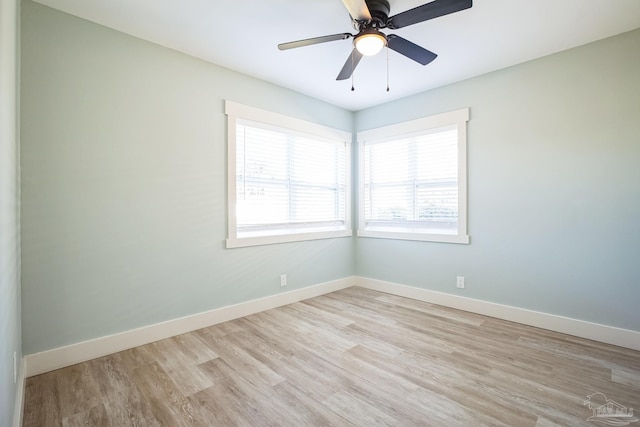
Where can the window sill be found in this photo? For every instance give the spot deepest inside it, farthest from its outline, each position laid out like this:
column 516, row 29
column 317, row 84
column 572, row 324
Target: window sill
column 437, row 238
column 285, row 238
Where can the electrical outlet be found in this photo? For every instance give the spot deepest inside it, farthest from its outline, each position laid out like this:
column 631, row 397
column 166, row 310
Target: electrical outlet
column 283, row 280
column 460, row 282
column 15, row 367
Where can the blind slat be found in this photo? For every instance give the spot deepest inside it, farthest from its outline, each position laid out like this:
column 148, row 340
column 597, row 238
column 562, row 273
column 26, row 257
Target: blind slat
column 413, row 182
column 285, row 180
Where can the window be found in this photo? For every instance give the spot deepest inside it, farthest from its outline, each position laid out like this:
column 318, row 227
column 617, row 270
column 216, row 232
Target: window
column 289, row 180
column 413, row 180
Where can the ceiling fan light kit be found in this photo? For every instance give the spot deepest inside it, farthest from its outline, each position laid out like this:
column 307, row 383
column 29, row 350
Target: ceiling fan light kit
column 370, row 42
column 369, row 16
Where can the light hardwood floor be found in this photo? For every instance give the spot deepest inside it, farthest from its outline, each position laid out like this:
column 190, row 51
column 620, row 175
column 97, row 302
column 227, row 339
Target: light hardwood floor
column 352, row 357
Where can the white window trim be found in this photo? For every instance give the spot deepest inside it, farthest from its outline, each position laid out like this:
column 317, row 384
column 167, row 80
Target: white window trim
column 387, row 133
column 236, row 111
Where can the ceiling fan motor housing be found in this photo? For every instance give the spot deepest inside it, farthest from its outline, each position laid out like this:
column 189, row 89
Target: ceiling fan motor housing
column 379, row 10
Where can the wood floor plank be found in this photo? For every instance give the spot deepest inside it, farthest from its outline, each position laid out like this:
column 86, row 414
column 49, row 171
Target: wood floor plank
column 109, row 373
column 358, row 411
column 375, row 371
column 543, row 422
column 136, row 357
column 129, row 407
column 626, row 376
column 453, row 383
column 225, row 403
column 433, row 310
column 321, row 335
column 180, row 361
column 248, row 401
column 316, row 316
column 96, row 416
column 245, row 364
column 344, row 307
column 215, row 406
column 168, row 405
column 355, row 357
column 403, row 338
column 78, row 389
column 304, row 341
column 42, row 401
column 308, row 411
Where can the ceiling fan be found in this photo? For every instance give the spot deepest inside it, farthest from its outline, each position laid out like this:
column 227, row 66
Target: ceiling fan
column 369, row 16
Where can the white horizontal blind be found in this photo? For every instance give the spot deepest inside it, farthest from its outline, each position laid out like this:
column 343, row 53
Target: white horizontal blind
column 288, row 182
column 411, row 183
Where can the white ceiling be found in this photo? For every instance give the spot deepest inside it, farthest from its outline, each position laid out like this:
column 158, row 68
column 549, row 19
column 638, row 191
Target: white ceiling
column 243, row 34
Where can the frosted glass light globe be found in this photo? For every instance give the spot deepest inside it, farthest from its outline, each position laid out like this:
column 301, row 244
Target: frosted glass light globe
column 370, row 44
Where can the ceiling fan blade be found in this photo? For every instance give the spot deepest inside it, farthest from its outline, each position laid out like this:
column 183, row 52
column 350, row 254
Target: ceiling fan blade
column 350, row 65
column 314, row 40
column 358, row 9
column 410, row 50
column 427, row 11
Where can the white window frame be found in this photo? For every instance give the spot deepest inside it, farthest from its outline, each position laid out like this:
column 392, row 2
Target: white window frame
column 458, row 118
column 235, row 112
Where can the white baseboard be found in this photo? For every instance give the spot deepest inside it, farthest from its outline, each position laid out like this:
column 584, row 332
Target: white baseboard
column 579, row 328
column 18, row 408
column 61, row 357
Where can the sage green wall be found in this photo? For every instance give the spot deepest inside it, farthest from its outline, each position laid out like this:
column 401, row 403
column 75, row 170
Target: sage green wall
column 10, row 333
column 554, row 187
column 124, row 185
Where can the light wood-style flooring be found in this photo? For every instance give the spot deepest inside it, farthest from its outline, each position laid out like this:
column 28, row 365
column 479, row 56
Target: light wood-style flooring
column 352, row 357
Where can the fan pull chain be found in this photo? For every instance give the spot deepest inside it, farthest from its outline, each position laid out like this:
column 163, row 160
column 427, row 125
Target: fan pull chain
column 387, row 68
column 352, row 72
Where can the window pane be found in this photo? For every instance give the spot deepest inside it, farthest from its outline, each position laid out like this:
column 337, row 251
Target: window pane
column 390, row 202
column 437, row 155
column 261, row 154
column 284, row 180
column 412, row 183
column 390, row 162
column 263, row 204
column 315, row 162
